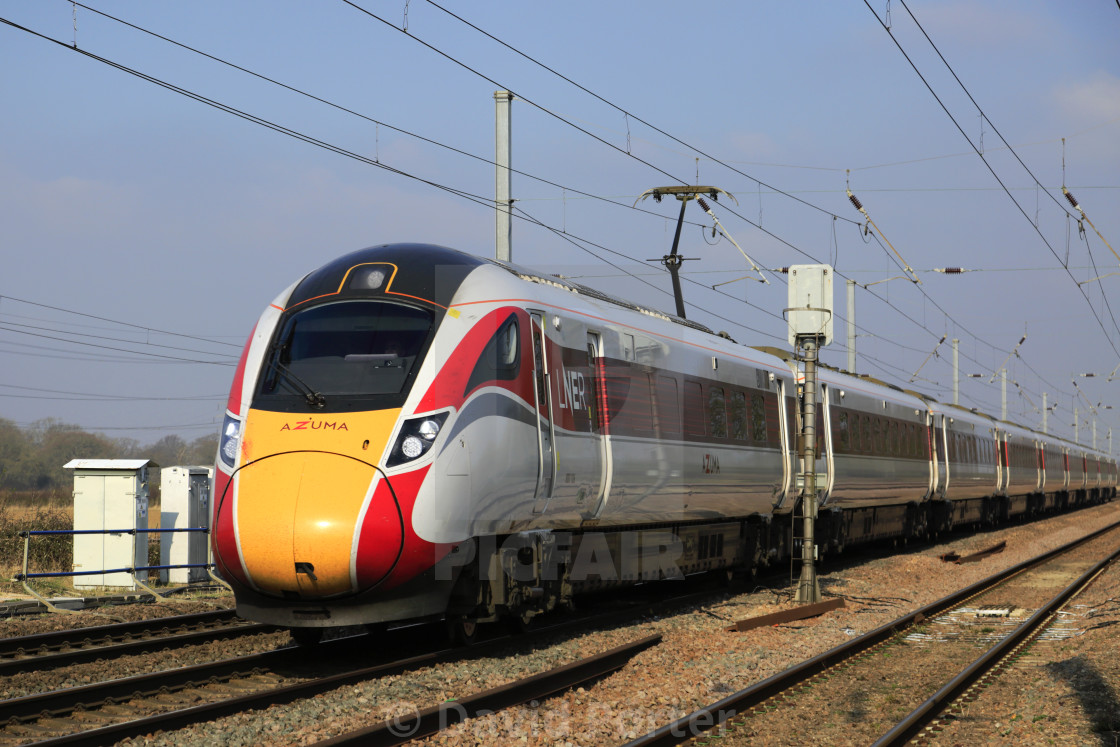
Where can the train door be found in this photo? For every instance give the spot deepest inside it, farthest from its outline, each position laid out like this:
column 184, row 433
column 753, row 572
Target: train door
column 1040, row 457
column 546, row 456
column 938, row 456
column 600, row 425
column 790, row 460
column 1003, row 468
column 825, row 460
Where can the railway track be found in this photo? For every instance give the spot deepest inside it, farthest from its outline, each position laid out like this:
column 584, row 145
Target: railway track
column 63, row 648
column 104, row 712
column 888, row 686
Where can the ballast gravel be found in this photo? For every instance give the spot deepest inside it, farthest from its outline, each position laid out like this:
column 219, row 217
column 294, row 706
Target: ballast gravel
column 1062, row 692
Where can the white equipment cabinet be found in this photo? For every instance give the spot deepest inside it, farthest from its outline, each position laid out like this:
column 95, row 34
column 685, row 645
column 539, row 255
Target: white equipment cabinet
column 184, row 504
column 109, row 494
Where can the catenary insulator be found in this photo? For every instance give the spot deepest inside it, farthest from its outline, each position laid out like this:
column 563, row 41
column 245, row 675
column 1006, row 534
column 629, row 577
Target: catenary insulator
column 855, row 201
column 703, row 204
column 1072, row 200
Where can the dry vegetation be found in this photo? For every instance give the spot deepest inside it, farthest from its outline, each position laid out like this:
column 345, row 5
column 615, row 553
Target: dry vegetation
column 44, row 510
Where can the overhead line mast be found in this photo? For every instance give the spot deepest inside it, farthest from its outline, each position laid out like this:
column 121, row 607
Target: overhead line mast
column 672, row 261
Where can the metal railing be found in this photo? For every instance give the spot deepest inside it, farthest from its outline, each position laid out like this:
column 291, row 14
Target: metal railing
column 25, row 576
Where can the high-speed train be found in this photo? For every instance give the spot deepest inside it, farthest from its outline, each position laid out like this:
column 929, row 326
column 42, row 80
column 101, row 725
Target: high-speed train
column 415, row 433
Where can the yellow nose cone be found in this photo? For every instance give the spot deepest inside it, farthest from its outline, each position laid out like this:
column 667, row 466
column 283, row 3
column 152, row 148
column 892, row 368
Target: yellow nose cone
column 297, row 516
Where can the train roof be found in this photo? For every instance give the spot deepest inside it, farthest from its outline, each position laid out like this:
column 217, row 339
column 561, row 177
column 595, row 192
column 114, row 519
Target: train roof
column 558, row 281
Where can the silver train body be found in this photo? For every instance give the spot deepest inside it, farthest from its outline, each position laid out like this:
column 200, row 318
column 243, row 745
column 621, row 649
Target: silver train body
column 563, row 440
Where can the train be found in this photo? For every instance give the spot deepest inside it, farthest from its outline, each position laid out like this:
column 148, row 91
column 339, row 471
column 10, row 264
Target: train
column 414, row 433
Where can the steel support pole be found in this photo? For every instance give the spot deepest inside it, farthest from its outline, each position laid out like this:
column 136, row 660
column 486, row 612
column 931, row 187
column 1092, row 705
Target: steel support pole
column 808, row 589
column 503, row 204
column 851, row 327
column 956, row 372
column 1003, row 387
column 1045, row 414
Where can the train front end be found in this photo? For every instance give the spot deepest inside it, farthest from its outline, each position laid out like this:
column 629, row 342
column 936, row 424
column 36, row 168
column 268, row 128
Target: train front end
column 318, row 462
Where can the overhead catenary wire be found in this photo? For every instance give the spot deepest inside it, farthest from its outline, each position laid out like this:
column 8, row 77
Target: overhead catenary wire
column 116, row 322
column 625, row 112
column 795, row 248
column 637, row 118
column 489, row 204
column 372, row 120
column 990, row 168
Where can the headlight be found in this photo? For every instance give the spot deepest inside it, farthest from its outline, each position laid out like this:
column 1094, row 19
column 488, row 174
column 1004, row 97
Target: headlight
column 230, row 441
column 416, row 438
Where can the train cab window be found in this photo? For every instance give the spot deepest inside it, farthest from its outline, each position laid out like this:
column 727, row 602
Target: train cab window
column 758, row 418
column 717, row 413
column 343, row 350
column 501, row 358
column 737, row 411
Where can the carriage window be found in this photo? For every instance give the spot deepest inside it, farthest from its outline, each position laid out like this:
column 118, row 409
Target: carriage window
column 717, row 413
column 738, row 413
column 865, row 427
column 693, row 409
column 668, row 407
column 844, row 436
column 758, row 418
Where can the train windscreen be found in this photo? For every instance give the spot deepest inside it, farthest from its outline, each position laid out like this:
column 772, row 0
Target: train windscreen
column 344, row 350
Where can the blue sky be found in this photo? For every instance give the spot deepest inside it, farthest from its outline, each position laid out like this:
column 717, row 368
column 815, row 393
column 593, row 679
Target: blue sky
column 127, row 202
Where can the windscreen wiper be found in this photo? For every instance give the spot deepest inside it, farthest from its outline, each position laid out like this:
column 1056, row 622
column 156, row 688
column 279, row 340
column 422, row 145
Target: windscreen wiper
column 297, row 385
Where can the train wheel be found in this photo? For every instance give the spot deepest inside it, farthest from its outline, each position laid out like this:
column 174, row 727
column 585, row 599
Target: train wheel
column 306, row 636
column 462, row 632
column 518, row 623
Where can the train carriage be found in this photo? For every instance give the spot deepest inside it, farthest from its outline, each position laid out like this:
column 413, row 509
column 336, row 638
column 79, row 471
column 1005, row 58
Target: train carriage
column 414, row 433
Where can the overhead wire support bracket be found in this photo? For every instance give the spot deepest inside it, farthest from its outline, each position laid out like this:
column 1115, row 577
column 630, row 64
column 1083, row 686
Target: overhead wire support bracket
column 1014, row 351
column 931, row 354
column 913, row 276
column 1077, row 206
column 755, row 268
column 672, row 261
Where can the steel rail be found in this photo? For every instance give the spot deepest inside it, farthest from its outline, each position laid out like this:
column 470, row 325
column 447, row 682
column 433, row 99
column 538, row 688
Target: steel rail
column 22, row 645
column 260, row 700
column 714, row 714
column 62, row 702
column 535, row 687
column 93, row 649
column 917, row 720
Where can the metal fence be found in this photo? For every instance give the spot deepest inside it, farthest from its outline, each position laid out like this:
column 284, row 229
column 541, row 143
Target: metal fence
column 26, row 576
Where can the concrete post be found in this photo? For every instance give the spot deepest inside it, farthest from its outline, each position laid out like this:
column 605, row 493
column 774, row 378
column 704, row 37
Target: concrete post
column 1003, row 387
column 852, row 327
column 956, row 373
column 503, row 203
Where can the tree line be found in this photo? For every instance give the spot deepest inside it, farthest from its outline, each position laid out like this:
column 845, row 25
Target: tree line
column 31, row 458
